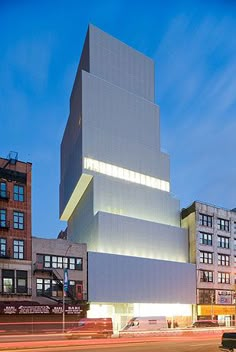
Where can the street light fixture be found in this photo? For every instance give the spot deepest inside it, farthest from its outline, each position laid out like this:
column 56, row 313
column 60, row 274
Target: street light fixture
column 65, row 288
column 212, row 295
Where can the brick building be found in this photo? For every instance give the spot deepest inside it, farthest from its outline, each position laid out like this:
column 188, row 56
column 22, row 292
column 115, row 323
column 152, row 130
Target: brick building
column 212, row 247
column 15, row 229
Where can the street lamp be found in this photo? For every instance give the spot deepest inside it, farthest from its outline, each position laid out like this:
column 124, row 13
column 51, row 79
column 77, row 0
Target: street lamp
column 212, row 302
column 65, row 288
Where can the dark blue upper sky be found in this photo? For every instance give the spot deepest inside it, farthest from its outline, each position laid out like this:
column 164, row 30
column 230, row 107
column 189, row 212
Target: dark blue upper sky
column 193, row 46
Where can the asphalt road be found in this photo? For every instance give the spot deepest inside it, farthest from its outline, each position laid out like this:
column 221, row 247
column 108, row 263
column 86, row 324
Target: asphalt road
column 160, row 344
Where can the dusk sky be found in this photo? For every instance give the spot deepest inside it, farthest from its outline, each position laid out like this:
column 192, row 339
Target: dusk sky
column 194, row 48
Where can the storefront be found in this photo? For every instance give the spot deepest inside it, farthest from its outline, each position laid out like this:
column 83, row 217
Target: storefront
column 224, row 314
column 31, row 317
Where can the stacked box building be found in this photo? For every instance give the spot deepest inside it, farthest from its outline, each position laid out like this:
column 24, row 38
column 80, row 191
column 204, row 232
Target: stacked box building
column 115, row 188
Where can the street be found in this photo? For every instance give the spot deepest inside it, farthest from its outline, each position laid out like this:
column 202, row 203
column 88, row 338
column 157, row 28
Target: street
column 154, row 344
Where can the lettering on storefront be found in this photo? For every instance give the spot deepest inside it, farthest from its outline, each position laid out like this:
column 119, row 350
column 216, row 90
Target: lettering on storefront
column 34, row 310
column 10, row 310
column 39, row 309
column 73, row 310
column 57, row 310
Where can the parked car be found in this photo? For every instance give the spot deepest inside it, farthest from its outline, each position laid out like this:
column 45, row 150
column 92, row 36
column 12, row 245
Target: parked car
column 91, row 327
column 151, row 323
column 205, row 324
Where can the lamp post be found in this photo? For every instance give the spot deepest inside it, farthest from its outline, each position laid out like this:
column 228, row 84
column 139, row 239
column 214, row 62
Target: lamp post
column 212, row 302
column 65, row 288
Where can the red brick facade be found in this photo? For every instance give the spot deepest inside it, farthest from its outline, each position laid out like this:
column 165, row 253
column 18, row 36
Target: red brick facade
column 14, row 176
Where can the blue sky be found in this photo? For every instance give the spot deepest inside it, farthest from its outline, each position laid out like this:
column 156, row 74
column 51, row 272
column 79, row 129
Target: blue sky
column 193, row 46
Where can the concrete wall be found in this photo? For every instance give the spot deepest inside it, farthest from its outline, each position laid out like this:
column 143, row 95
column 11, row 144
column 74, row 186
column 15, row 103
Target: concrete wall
column 128, row 236
column 114, row 278
column 130, row 199
column 116, row 62
column 125, row 131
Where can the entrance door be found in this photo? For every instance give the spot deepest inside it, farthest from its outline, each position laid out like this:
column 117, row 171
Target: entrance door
column 227, row 320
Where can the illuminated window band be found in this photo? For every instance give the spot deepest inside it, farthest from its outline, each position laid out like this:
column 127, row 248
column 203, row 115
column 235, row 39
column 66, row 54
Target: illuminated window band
column 125, row 174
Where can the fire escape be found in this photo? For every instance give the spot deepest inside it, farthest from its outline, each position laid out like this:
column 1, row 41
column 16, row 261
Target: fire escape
column 55, row 275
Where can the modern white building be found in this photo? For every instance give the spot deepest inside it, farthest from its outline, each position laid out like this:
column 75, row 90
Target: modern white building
column 115, row 188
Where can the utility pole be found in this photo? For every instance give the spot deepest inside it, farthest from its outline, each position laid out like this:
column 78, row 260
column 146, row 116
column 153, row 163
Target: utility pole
column 212, row 307
column 65, row 288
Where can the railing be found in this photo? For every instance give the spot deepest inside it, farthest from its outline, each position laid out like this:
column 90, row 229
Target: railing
column 58, row 277
column 18, row 292
column 39, row 267
column 4, row 224
column 4, row 195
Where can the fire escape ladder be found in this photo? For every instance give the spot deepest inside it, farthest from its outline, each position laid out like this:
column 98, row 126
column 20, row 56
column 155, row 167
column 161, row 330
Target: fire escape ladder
column 59, row 280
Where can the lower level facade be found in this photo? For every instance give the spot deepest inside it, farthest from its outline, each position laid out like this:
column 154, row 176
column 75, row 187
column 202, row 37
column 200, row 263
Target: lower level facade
column 123, row 287
column 51, row 289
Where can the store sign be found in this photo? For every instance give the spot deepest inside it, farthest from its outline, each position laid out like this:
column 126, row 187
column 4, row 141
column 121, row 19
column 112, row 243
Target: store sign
column 34, row 310
column 66, row 281
column 8, row 309
column 73, row 310
column 224, row 297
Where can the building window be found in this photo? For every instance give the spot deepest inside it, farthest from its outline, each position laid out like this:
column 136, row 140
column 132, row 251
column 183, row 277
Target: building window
column 234, row 261
column 57, row 290
column 223, row 260
column 8, row 281
column 223, row 242
column 18, row 218
column 47, row 261
column 79, row 264
column 3, row 247
column 48, row 287
column 72, row 263
column 3, row 218
column 205, row 238
column 223, row 224
column 65, row 262
column 21, row 281
column 223, row 278
column 18, row 247
column 206, row 257
column 205, row 220
column 206, row 276
column 206, row 296
column 58, row 262
column 39, row 287
column 125, row 174
column 18, row 193
column 234, row 243
column 3, row 190
column 234, row 227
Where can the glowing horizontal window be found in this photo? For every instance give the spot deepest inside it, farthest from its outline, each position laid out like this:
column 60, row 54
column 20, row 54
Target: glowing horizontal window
column 125, row 174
